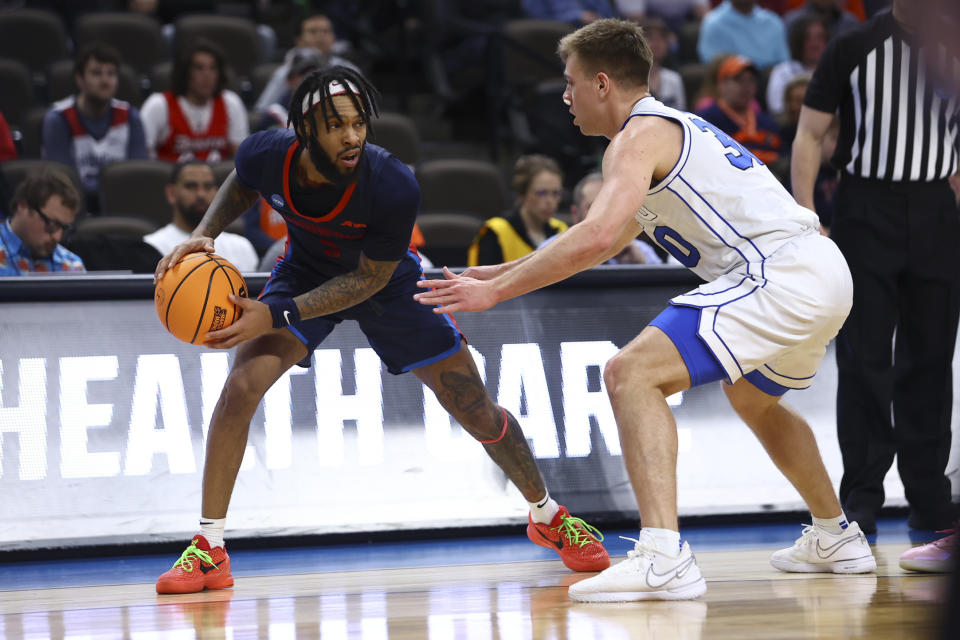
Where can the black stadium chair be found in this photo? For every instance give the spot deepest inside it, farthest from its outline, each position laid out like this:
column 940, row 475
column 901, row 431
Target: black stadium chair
column 447, row 237
column 472, row 187
column 136, row 36
column 31, row 132
column 115, row 226
column 237, row 37
column 398, row 134
column 35, row 38
column 136, row 188
column 14, row 171
column 60, row 83
column 16, row 94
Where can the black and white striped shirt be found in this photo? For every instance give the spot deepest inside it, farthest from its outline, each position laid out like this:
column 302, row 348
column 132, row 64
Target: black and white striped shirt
column 895, row 124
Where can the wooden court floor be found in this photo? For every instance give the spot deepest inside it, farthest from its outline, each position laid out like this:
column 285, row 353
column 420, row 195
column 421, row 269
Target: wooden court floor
column 746, row 598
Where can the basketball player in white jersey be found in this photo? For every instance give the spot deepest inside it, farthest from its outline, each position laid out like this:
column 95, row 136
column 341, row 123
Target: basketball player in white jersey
column 777, row 293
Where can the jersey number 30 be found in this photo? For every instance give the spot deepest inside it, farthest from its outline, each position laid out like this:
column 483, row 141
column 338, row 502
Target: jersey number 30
column 739, row 156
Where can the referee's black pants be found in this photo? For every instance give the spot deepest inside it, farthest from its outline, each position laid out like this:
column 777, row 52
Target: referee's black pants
column 902, row 242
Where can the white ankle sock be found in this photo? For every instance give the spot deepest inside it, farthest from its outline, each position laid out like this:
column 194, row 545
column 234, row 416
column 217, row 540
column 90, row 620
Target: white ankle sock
column 831, row 525
column 212, row 530
column 666, row 540
column 544, row 510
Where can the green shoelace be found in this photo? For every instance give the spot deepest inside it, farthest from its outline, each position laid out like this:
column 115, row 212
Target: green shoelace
column 578, row 532
column 193, row 552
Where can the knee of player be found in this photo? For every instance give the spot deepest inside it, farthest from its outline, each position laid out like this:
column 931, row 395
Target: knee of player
column 239, row 390
column 621, row 372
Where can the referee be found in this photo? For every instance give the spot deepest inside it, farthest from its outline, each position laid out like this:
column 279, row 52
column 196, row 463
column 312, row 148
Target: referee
column 897, row 223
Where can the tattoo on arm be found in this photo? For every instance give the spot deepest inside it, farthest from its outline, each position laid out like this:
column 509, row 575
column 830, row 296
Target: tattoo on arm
column 229, row 204
column 347, row 290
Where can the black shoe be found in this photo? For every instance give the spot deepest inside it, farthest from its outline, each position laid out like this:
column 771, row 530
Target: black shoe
column 866, row 520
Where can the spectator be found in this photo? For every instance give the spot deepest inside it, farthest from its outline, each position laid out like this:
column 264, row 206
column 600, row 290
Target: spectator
column 538, row 183
column 8, row 150
column 316, row 37
column 676, row 12
column 190, row 191
column 275, row 115
column 830, row 12
column 92, row 129
column 792, row 99
column 736, row 89
column 666, row 85
column 633, row 10
column 198, row 117
column 740, row 27
column 44, row 207
column 638, row 252
column 807, row 39
column 576, row 12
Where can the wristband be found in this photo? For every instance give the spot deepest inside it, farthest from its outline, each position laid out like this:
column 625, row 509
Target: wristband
column 284, row 313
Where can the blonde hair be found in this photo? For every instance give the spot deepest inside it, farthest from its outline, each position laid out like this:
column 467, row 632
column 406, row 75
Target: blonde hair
column 615, row 47
column 529, row 167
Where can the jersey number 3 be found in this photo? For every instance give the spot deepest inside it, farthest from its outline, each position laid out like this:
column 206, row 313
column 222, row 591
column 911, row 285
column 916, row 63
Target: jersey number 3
column 739, row 156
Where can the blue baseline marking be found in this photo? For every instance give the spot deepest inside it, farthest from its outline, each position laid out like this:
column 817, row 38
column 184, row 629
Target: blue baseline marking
column 726, row 222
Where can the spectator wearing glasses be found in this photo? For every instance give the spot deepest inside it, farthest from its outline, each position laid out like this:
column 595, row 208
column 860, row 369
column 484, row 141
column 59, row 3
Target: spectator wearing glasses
column 45, row 207
column 538, row 183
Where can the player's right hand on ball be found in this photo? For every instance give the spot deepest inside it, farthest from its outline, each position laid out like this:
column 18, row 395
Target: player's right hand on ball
column 190, row 245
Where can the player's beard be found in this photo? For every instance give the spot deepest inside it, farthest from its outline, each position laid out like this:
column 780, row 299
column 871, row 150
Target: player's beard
column 328, row 168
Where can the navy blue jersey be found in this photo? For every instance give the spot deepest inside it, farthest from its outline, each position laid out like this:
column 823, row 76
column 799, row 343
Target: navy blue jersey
column 329, row 227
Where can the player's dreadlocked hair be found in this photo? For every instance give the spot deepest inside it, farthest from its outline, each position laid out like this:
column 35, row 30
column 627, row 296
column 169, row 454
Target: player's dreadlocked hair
column 367, row 102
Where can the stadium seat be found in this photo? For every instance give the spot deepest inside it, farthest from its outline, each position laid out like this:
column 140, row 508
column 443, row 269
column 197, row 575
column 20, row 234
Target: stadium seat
column 693, row 76
column 17, row 94
column 471, row 187
column 115, row 226
column 237, row 37
column 398, row 134
column 136, row 36
column 221, row 170
column 531, row 51
column 14, row 171
column 35, row 38
column 447, row 237
column 260, row 76
column 687, row 43
column 60, row 83
column 136, row 188
column 31, row 132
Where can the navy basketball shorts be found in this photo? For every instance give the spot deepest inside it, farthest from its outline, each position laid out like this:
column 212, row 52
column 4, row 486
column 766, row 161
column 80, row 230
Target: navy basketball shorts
column 404, row 333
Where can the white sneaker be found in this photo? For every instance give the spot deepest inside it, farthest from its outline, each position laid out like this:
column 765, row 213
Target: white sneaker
column 818, row 551
column 646, row 574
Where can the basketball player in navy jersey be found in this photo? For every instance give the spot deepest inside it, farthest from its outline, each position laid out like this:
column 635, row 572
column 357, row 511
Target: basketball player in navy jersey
column 350, row 208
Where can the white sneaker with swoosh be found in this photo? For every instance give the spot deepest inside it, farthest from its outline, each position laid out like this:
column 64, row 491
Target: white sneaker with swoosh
column 819, row 551
column 646, row 574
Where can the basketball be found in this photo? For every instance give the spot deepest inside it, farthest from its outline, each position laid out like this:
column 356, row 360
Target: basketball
column 192, row 296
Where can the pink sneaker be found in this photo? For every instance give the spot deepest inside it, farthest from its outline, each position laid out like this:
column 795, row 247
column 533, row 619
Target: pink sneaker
column 934, row 557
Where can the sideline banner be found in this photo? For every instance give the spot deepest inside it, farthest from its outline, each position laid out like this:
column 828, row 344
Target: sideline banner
column 103, row 420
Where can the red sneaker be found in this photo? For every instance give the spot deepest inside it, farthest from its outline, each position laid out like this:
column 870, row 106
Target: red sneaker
column 198, row 568
column 577, row 542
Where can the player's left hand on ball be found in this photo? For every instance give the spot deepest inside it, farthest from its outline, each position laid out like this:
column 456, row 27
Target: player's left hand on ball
column 458, row 294
column 255, row 320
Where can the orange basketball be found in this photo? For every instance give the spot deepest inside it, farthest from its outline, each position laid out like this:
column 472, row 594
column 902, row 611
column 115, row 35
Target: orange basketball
column 191, row 297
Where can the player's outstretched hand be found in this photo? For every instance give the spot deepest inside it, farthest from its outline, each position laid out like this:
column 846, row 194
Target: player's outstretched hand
column 255, row 320
column 456, row 293
column 190, row 245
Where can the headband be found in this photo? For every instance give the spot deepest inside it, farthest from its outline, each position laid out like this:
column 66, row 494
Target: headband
column 336, row 88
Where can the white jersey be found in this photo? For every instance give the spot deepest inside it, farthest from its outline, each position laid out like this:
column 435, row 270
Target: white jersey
column 719, row 209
